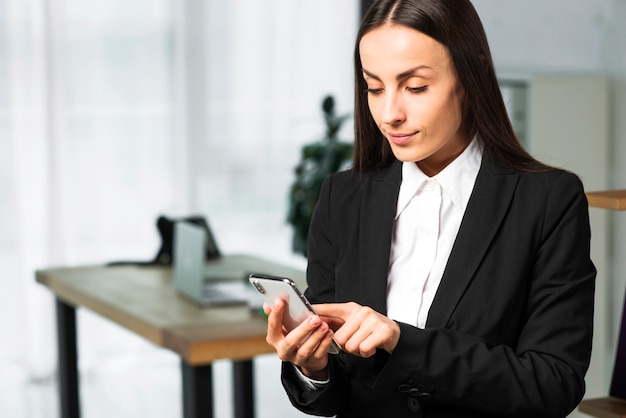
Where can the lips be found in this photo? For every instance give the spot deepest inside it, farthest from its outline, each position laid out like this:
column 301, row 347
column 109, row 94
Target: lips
column 400, row 138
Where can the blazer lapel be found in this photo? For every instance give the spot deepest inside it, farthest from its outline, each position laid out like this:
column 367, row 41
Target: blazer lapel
column 378, row 210
column 487, row 206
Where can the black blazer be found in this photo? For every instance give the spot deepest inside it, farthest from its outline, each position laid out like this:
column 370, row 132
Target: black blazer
column 509, row 331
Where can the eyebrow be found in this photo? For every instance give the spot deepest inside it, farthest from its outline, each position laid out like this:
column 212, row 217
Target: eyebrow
column 402, row 75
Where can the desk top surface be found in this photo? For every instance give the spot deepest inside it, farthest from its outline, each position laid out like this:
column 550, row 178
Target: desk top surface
column 143, row 299
column 604, row 407
column 609, row 199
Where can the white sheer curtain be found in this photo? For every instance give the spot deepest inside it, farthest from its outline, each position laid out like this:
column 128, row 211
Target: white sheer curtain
column 268, row 66
column 86, row 123
column 114, row 112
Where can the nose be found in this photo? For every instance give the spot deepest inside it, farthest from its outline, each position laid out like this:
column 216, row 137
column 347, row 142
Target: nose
column 393, row 111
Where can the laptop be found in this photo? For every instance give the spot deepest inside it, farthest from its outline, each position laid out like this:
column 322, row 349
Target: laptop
column 208, row 283
column 618, row 382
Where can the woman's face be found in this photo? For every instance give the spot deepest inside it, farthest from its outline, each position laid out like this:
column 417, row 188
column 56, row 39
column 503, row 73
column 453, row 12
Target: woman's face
column 414, row 96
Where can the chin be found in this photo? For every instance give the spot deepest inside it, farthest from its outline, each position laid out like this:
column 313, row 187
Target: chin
column 407, row 157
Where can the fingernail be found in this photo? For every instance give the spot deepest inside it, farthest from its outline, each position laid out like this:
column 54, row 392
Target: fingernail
column 315, row 320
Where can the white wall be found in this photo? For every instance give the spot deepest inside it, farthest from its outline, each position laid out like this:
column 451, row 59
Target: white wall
column 615, row 58
column 549, row 35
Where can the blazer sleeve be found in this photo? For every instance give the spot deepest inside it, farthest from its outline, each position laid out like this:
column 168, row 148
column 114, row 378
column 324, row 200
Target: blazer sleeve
column 322, row 252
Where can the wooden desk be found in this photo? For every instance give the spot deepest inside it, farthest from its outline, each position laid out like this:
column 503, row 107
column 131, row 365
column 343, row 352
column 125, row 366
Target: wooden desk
column 604, row 407
column 609, row 199
column 143, row 300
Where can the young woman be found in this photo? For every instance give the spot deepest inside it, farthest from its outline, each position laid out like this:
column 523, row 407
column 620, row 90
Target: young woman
column 452, row 268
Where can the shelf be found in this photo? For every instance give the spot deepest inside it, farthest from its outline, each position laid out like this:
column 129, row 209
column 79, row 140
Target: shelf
column 604, row 407
column 609, row 199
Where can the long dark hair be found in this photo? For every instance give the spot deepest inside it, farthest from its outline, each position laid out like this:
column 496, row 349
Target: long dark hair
column 456, row 25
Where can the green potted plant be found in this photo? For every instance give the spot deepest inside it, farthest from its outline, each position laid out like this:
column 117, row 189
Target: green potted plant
column 318, row 160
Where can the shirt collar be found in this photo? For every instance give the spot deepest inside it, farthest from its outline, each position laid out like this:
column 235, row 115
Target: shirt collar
column 456, row 180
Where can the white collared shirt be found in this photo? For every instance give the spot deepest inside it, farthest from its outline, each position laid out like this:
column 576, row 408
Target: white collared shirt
column 431, row 207
column 428, row 217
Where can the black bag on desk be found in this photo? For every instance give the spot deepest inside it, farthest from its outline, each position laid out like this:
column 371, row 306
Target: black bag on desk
column 165, row 256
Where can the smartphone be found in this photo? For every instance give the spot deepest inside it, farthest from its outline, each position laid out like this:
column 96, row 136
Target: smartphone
column 299, row 308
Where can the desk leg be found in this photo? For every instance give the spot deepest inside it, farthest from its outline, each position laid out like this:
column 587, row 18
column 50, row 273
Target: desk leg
column 243, row 389
column 197, row 391
column 68, row 360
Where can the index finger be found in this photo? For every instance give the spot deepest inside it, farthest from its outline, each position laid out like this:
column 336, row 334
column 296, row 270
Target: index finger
column 333, row 310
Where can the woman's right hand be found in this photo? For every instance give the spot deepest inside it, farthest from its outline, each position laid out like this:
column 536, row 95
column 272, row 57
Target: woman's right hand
column 305, row 346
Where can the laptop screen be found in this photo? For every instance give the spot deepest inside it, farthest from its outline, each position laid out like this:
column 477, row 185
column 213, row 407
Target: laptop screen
column 618, row 384
column 189, row 245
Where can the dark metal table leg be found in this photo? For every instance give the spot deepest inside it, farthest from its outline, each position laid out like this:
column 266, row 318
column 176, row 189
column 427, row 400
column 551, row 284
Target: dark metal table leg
column 68, row 360
column 197, row 391
column 243, row 389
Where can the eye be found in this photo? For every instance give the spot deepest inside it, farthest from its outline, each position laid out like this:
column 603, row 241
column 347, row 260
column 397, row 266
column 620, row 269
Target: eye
column 374, row 91
column 417, row 89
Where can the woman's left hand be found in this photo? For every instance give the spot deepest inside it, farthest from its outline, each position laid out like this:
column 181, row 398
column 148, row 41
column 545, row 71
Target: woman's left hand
column 360, row 330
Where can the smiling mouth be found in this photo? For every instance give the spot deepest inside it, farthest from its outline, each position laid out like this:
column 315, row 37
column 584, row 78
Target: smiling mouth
column 401, row 139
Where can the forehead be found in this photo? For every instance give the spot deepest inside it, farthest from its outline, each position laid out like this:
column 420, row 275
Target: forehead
column 391, row 49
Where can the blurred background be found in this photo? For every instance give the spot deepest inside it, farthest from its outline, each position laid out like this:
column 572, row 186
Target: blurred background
column 113, row 113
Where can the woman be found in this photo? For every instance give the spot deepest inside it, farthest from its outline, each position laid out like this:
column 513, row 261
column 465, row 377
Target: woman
column 451, row 267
